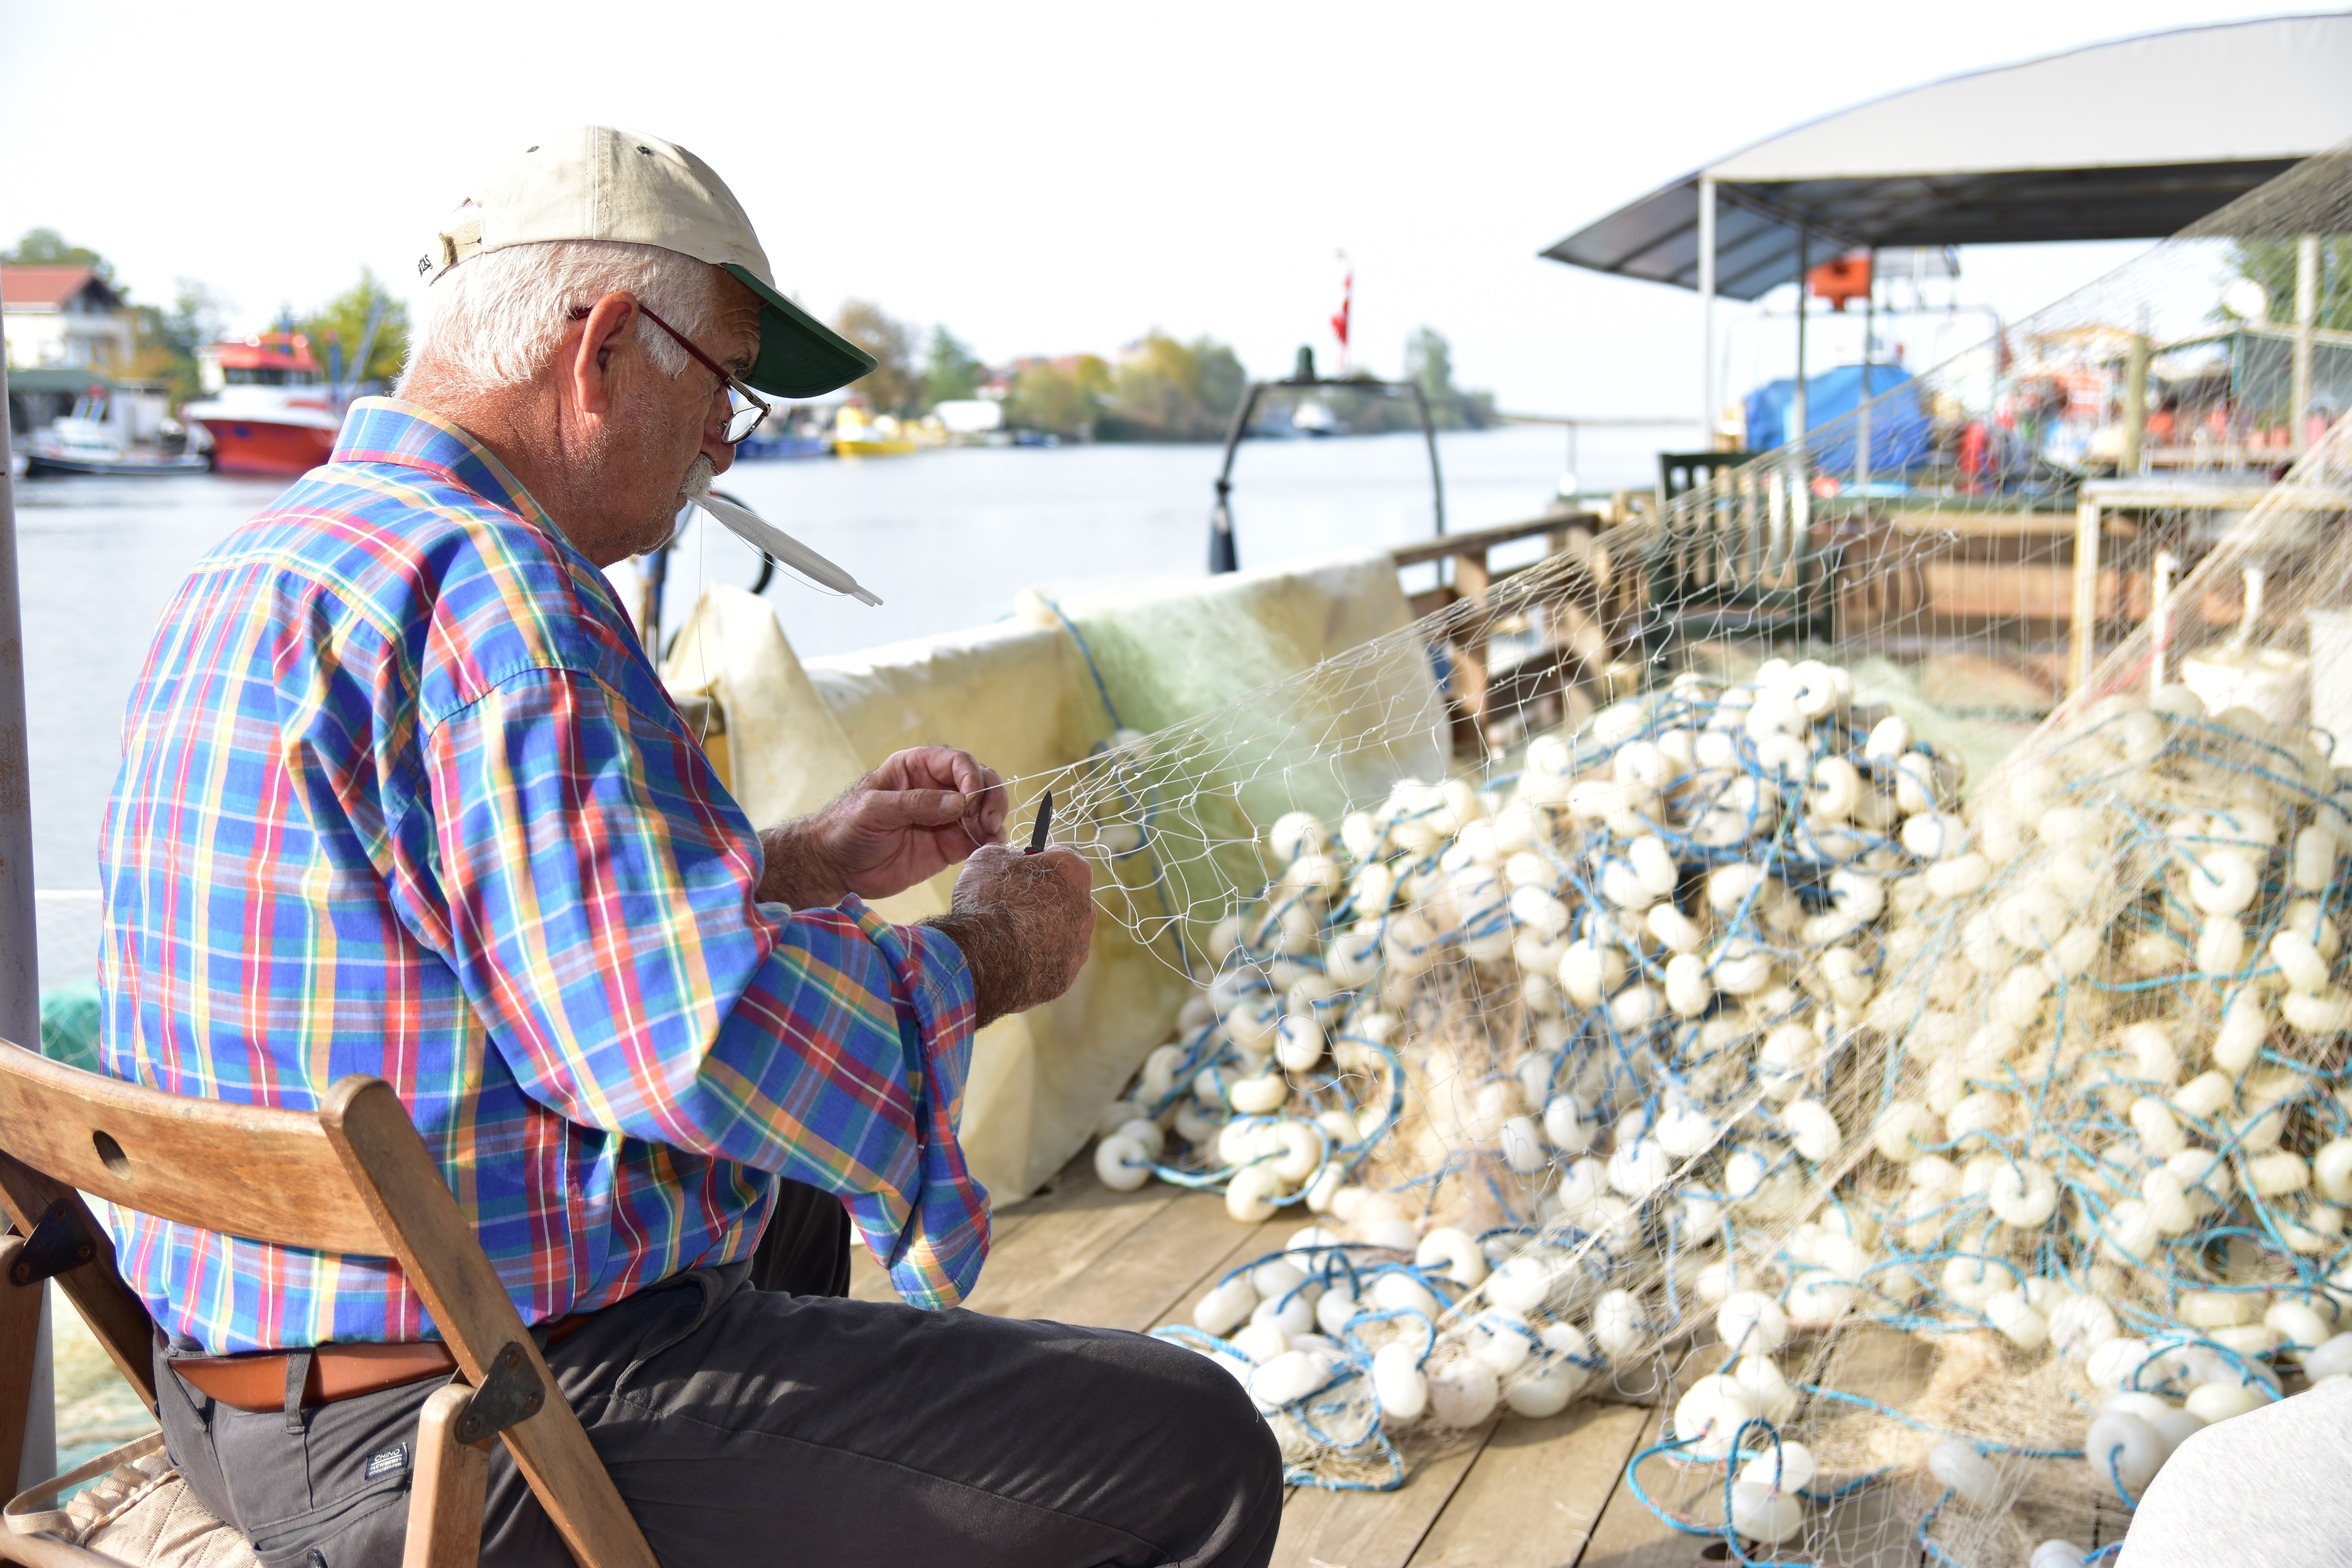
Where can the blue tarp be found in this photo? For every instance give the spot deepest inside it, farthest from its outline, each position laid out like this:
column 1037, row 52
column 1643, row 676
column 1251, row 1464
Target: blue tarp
column 1898, row 428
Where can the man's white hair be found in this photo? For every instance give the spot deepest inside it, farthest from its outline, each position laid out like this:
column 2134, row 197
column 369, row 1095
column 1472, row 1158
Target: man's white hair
column 495, row 320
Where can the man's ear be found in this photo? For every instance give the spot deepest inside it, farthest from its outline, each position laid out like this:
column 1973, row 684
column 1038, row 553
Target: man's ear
column 592, row 355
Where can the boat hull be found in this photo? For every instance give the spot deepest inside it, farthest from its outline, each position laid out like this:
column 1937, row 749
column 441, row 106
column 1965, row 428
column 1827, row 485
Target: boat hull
column 783, row 448
column 267, row 446
column 873, row 449
column 38, row 463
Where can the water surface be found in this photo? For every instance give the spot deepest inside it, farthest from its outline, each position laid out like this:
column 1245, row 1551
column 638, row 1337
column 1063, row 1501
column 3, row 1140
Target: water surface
column 945, row 537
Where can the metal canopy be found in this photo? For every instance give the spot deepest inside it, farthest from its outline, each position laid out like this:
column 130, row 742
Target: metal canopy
column 2133, row 139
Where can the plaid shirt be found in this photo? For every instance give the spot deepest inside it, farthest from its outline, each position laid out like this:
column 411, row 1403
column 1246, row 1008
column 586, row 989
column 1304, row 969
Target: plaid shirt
column 401, row 795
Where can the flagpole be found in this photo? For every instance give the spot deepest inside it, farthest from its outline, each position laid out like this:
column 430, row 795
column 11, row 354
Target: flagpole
column 1342, row 323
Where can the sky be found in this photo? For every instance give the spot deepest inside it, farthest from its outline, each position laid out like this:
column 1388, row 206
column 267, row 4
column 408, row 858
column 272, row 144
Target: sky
column 1040, row 178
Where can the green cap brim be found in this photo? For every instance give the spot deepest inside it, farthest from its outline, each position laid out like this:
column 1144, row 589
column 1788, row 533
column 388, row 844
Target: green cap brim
column 800, row 356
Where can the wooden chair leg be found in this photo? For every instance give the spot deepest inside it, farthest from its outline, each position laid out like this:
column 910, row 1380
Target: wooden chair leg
column 20, row 1332
column 444, row 1499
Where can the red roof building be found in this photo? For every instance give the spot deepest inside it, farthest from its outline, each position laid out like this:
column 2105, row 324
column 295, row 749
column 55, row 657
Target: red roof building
column 65, row 317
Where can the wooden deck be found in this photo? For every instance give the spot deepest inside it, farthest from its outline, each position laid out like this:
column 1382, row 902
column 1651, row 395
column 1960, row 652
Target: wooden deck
column 1516, row 1494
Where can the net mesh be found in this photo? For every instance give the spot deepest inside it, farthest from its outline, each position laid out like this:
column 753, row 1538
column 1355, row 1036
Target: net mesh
column 1779, row 992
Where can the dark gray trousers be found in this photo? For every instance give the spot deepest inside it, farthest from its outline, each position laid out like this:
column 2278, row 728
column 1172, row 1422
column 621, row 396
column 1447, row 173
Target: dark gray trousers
column 749, row 1426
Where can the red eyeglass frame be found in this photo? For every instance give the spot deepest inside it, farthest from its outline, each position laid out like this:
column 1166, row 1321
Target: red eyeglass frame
column 759, row 409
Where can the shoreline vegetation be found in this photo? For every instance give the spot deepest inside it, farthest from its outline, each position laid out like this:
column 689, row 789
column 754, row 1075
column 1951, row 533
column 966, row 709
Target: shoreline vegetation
column 1155, row 389
column 166, row 337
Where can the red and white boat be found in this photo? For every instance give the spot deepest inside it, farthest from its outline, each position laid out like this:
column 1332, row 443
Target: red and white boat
column 271, row 410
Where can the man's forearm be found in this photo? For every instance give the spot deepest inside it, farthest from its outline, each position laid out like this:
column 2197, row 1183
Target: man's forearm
column 795, row 874
column 992, row 951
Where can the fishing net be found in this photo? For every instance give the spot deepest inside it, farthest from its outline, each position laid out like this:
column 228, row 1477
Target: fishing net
column 1720, row 959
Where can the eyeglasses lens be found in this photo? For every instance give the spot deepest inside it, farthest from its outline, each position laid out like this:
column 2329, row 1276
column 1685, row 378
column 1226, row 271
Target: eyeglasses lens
column 742, row 421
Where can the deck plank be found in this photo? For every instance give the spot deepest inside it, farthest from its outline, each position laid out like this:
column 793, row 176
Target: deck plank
column 1375, row 1529
column 1057, row 1244
column 1628, row 1535
column 1537, row 1490
column 869, row 1282
column 1147, row 1277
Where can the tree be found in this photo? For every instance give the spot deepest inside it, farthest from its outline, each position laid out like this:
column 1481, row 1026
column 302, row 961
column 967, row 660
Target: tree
column 1063, row 398
column 341, row 322
column 894, row 385
column 2272, row 263
column 951, row 372
column 1222, row 380
column 1371, row 411
column 1429, row 362
column 1169, row 391
column 168, row 340
column 47, row 248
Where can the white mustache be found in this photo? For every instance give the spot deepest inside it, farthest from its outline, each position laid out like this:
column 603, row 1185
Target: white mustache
column 697, row 483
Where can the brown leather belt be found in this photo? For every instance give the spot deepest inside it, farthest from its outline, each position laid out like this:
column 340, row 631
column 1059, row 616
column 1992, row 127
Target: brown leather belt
column 255, row 1383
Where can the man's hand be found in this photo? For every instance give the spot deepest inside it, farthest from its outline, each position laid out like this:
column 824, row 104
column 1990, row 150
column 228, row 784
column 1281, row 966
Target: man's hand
column 1023, row 923
column 912, row 818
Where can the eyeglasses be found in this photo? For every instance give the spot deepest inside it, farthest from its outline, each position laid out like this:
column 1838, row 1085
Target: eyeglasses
column 740, row 422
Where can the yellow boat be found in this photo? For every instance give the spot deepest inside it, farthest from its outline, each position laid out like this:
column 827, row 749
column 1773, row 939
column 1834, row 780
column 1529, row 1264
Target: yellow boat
column 855, row 434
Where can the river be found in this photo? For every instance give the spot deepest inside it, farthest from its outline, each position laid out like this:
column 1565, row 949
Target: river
column 945, row 537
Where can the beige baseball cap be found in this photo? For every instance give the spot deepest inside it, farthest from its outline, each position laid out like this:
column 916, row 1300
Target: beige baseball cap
column 592, row 181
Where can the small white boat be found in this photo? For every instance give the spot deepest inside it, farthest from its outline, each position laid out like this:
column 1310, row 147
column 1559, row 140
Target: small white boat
column 94, row 439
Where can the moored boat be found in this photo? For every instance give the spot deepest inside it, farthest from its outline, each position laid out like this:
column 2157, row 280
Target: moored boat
column 857, row 434
column 271, row 411
column 99, row 436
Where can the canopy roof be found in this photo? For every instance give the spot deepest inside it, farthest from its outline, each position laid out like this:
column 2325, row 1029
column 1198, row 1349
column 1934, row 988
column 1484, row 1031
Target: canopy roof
column 2133, row 139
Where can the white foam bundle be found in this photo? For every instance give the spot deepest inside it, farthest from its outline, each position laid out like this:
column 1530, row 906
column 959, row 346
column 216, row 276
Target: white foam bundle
column 1983, row 1146
column 1531, row 1052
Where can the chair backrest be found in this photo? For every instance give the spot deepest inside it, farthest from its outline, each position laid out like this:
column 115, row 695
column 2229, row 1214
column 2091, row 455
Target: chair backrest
column 353, row 1177
column 241, row 1169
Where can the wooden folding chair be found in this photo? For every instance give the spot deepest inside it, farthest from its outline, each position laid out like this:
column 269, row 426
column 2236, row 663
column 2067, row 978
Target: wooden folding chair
column 352, row 1178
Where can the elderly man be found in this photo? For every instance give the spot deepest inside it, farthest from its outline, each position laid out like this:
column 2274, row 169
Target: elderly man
column 402, row 795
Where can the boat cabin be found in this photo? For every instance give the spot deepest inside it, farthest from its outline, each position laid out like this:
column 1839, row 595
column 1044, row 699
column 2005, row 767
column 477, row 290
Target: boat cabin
column 273, row 359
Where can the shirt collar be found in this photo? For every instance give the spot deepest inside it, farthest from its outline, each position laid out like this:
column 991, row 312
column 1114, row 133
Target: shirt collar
column 387, row 430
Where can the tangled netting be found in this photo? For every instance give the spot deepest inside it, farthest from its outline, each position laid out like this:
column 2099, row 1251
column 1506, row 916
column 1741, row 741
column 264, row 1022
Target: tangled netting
column 1952, row 1137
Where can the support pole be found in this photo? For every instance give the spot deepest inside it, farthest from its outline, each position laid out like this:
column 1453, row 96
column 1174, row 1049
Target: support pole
column 1222, row 555
column 2307, row 323
column 2082, row 651
column 2127, row 463
column 1707, row 414
column 1869, row 338
column 1798, row 421
column 1429, row 436
column 20, row 976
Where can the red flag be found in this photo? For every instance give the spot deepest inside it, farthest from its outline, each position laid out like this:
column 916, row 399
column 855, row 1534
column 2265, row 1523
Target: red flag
column 1339, row 321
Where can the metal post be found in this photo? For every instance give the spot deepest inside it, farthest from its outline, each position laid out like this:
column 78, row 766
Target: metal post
column 1708, row 414
column 2307, row 322
column 2082, row 650
column 1798, row 421
column 1869, row 336
column 20, row 976
column 2128, row 462
column 1222, row 555
column 1429, row 435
